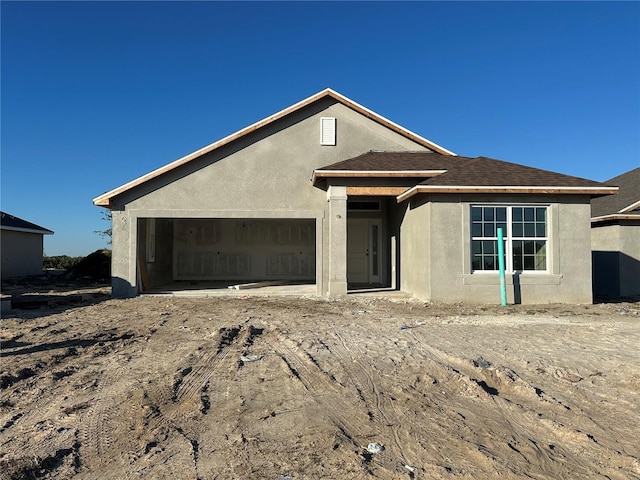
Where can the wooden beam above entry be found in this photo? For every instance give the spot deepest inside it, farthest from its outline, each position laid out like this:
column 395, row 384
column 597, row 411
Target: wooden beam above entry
column 372, row 191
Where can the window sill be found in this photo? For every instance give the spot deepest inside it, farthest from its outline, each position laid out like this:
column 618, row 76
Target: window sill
column 485, row 278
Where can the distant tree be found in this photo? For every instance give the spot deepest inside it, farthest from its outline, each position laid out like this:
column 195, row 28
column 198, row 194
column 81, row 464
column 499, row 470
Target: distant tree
column 60, row 262
column 106, row 215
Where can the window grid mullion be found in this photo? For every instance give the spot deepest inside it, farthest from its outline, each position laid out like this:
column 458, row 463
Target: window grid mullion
column 508, row 252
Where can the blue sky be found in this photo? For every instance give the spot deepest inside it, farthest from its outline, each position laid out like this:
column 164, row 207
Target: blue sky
column 94, row 94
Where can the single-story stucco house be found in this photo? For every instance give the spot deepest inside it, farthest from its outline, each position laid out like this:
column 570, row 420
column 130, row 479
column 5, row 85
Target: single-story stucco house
column 22, row 246
column 330, row 193
column 615, row 238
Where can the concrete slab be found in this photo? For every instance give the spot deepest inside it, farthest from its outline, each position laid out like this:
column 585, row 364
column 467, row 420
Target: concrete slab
column 218, row 289
column 221, row 289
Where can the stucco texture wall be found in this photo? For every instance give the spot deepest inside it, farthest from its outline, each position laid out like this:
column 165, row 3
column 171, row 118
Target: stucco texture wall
column 415, row 257
column 21, row 253
column 265, row 174
column 448, row 263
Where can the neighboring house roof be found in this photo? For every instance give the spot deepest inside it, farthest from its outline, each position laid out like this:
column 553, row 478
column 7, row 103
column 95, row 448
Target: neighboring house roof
column 624, row 205
column 105, row 199
column 9, row 222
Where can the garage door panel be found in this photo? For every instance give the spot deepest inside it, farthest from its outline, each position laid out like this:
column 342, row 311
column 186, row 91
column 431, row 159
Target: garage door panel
column 244, row 249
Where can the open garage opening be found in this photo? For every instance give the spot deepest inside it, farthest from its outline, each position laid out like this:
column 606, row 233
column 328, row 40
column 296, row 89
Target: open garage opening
column 177, row 254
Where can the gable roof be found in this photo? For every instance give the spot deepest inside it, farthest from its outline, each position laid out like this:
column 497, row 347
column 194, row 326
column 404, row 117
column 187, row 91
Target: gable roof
column 623, row 205
column 488, row 175
column 105, row 199
column 9, row 222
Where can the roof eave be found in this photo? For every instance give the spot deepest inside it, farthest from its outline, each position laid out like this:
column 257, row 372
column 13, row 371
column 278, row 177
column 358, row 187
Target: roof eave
column 506, row 189
column 319, row 174
column 631, row 207
column 43, row 231
column 615, row 216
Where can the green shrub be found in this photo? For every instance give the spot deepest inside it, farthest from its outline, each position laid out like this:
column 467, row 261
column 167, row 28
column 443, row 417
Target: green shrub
column 60, row 262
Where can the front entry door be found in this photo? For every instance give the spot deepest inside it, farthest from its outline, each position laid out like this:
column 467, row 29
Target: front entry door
column 363, row 251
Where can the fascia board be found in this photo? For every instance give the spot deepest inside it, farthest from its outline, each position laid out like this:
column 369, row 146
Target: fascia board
column 505, row 190
column 27, row 230
column 374, row 173
column 615, row 216
column 631, row 207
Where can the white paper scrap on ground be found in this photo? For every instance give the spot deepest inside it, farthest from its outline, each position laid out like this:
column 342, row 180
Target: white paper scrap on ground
column 375, row 448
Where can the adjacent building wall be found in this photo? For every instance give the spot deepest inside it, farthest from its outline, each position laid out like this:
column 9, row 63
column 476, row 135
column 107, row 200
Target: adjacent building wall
column 616, row 258
column 21, row 253
column 630, row 258
column 262, row 175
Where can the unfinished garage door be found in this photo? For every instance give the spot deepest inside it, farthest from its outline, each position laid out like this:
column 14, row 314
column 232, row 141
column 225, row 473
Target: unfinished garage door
column 244, row 249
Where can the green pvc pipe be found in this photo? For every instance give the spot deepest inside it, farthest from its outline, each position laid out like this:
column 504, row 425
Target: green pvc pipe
column 503, row 288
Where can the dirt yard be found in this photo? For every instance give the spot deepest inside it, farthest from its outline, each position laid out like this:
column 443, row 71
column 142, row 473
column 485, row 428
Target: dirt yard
column 299, row 388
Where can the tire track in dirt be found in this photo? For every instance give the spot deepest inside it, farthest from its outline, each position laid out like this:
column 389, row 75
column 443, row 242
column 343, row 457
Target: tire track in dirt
column 55, row 434
column 356, row 384
column 188, row 387
column 196, row 379
column 364, row 379
column 172, row 410
column 99, row 424
column 339, row 402
column 507, row 422
column 315, row 381
column 445, row 411
column 104, row 433
column 390, row 394
column 515, row 400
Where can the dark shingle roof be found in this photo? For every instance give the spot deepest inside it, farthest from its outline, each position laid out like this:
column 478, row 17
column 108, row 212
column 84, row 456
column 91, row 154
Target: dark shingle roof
column 629, row 193
column 10, row 222
column 459, row 171
column 484, row 171
column 395, row 161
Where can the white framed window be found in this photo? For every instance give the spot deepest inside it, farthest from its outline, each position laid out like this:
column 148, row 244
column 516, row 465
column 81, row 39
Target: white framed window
column 525, row 231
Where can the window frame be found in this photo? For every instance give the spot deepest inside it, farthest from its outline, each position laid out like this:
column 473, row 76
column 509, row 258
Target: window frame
column 510, row 238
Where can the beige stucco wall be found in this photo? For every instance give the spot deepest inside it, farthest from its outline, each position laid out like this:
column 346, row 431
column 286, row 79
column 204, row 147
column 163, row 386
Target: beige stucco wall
column 447, row 258
column 616, row 250
column 21, row 253
column 415, row 243
column 263, row 175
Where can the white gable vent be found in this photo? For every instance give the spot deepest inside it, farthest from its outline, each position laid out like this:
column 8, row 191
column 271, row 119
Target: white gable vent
column 327, row 131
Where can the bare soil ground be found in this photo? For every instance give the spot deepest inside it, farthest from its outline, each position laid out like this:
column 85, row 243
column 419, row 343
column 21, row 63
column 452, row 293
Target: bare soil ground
column 298, row 388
